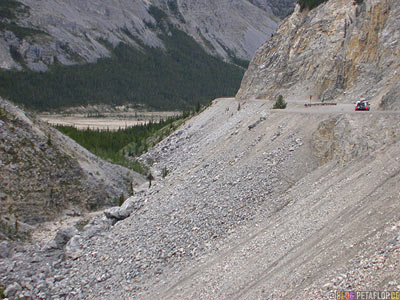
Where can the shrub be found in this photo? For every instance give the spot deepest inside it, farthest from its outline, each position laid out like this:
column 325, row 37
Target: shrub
column 119, row 201
column 164, row 172
column 3, row 114
column 280, row 103
column 2, row 295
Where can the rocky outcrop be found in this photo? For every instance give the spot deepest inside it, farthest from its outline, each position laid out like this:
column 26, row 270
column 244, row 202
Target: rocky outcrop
column 343, row 138
column 390, row 100
column 340, row 51
column 43, row 173
column 74, row 31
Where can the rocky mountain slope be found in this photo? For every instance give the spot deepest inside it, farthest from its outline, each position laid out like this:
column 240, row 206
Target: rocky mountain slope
column 340, row 51
column 69, row 31
column 254, row 207
column 43, row 173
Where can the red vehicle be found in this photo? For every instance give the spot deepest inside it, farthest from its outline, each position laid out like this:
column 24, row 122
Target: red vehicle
column 362, row 105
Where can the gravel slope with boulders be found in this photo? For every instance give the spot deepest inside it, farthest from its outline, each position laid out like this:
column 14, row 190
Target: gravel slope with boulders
column 257, row 203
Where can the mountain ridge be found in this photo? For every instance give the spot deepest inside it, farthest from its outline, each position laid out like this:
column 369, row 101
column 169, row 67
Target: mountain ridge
column 74, row 28
column 163, row 54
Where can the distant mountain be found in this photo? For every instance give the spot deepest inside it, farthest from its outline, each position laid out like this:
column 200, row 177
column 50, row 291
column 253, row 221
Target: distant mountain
column 174, row 52
column 49, row 31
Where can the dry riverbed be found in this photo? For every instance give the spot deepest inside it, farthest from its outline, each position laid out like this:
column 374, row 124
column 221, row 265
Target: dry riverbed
column 108, row 120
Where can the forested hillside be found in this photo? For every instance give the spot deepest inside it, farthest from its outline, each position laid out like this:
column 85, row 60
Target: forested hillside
column 174, row 79
column 164, row 54
column 122, row 146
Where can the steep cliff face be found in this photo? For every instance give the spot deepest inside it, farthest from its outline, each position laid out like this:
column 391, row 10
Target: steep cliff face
column 42, row 173
column 339, row 51
column 71, row 31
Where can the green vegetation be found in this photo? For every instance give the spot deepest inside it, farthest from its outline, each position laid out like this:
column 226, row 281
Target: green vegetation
column 164, row 172
column 122, row 146
column 157, row 13
column 280, row 103
column 8, row 14
column 120, row 200
column 9, row 9
column 310, row 4
column 19, row 31
column 3, row 114
column 175, row 78
column 2, row 290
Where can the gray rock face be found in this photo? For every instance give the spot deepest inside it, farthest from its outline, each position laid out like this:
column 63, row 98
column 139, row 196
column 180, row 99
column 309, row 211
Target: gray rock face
column 390, row 101
column 74, row 30
column 338, row 51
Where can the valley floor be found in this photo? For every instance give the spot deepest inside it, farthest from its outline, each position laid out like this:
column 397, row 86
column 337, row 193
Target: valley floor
column 107, row 121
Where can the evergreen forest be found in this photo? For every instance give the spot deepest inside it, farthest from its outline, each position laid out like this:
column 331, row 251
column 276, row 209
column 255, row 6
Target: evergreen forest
column 310, row 4
column 124, row 145
column 177, row 78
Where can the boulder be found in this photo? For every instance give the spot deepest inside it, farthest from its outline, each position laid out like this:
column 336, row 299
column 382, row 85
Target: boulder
column 5, row 249
column 62, row 237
